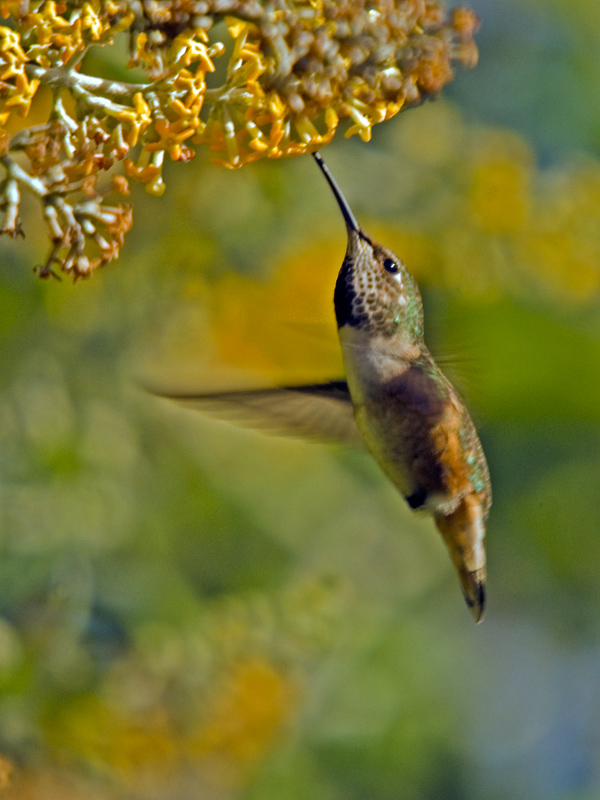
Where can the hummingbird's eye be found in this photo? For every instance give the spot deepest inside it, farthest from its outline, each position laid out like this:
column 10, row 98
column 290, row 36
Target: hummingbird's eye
column 390, row 265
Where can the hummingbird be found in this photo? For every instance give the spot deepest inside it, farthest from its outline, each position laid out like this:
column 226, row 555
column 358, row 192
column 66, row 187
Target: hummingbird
column 394, row 399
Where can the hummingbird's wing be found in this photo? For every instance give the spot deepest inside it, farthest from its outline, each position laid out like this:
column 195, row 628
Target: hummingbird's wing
column 317, row 411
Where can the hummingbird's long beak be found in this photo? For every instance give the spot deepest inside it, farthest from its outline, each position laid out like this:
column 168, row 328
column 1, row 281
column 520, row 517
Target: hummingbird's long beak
column 349, row 217
column 463, row 531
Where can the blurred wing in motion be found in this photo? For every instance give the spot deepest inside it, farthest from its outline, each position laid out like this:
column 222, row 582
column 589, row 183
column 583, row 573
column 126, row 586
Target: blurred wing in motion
column 317, row 411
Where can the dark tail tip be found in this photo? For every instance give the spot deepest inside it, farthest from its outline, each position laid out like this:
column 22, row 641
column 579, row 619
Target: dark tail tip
column 475, row 600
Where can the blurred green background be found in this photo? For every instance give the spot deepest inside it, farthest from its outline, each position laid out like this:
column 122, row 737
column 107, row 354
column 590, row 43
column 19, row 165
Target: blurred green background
column 190, row 610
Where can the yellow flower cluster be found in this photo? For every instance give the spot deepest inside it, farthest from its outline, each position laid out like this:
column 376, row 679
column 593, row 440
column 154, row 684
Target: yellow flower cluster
column 55, row 33
column 295, row 69
column 16, row 89
column 293, row 76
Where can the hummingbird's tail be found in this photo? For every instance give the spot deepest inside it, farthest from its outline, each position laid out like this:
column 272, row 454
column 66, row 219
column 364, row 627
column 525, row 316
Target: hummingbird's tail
column 463, row 531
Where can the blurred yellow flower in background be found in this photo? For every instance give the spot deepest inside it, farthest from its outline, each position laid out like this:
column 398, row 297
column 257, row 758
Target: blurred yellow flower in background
column 283, row 327
column 131, row 746
column 501, row 173
column 245, row 714
column 236, row 721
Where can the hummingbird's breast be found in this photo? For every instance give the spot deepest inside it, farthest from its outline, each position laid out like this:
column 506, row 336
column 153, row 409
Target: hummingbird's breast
column 403, row 423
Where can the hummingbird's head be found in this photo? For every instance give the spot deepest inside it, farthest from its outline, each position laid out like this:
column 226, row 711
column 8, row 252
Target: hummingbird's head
column 375, row 292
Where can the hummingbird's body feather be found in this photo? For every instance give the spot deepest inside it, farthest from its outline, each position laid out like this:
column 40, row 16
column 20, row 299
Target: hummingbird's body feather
column 396, row 401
